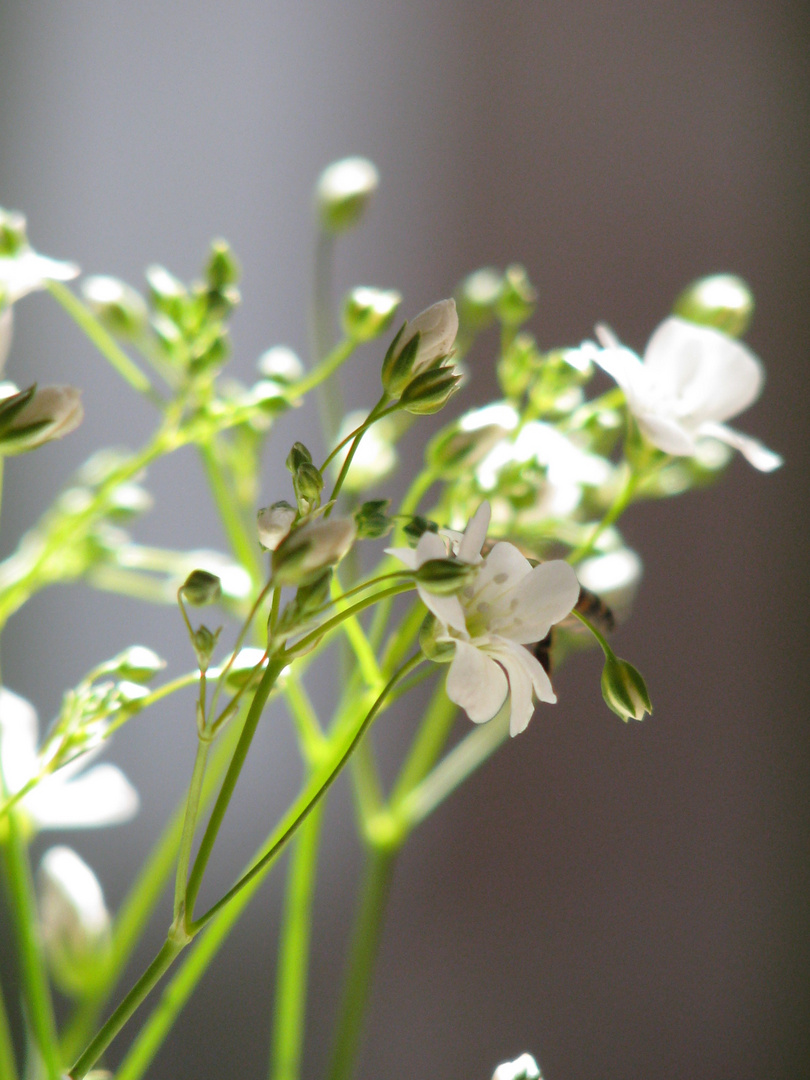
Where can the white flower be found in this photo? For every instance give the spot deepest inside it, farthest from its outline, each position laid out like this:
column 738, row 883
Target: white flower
column 522, row 1068
column 27, row 271
column 692, row 379
column 62, row 800
column 52, row 413
column 508, row 605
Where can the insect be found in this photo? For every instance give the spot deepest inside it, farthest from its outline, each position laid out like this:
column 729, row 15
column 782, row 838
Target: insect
column 592, row 607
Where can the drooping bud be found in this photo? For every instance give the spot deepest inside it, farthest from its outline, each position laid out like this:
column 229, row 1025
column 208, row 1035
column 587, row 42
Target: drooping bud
column 368, row 312
column 310, row 549
column 343, row 192
column 117, row 306
column 281, row 364
column 624, row 689
column 37, row 416
column 722, row 301
column 274, row 522
column 74, row 919
column 445, row 576
column 517, row 298
column 436, row 328
column 522, row 1068
column 201, row 587
column 430, row 391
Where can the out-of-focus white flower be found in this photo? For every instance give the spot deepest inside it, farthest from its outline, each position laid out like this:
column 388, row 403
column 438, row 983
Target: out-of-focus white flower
column 614, row 577
column 508, row 605
column 692, row 379
column 68, row 798
column 522, row 1068
column 26, row 271
column 52, row 413
column 375, row 456
column 343, row 192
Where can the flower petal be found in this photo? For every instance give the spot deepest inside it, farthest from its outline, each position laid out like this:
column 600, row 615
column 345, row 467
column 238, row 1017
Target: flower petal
column 469, row 550
column 525, row 674
column 447, row 609
column 18, row 740
column 430, row 546
column 664, row 432
column 405, row 555
column 476, row 683
column 100, row 796
column 751, row 449
column 543, row 597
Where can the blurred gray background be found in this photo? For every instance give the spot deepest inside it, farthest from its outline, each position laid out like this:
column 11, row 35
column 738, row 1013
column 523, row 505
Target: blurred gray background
column 629, row 902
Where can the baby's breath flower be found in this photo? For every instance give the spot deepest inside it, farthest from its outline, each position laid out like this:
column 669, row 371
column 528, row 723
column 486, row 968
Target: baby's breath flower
column 508, row 604
column 437, row 327
column 522, row 1068
column 343, row 192
column 26, row 271
column 692, row 379
column 68, row 798
column 50, row 413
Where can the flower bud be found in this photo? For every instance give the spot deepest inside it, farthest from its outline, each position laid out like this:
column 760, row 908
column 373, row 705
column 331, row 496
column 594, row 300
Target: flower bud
column 436, row 328
column 297, row 456
column 522, row 1068
column 117, row 306
column 469, row 439
column 430, row 391
column 244, row 668
column 136, row 664
column 201, row 587
column 444, row 577
column 624, row 689
column 74, row 919
column 343, row 192
column 222, row 269
column 439, row 652
column 371, row 519
column 13, row 237
column 168, row 294
column 477, row 297
column 37, row 416
column 273, row 523
column 368, row 312
column 204, row 642
column 281, row 364
column 518, row 297
column 307, row 485
column 311, row 548
column 722, row 301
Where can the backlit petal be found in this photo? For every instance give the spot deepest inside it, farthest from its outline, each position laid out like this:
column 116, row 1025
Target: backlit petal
column 476, row 683
column 469, row 550
column 18, row 740
column 543, row 597
column 100, row 796
column 751, row 449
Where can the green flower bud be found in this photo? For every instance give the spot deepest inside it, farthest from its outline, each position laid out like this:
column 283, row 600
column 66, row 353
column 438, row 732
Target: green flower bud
column 368, row 312
column 243, row 670
column 117, row 306
column 343, row 192
column 477, row 297
column 136, row 664
column 204, row 642
column 468, row 440
column 440, row 652
column 371, row 519
column 169, row 295
column 624, row 689
column 308, row 550
column 222, row 269
column 13, row 237
column 273, row 523
column 307, row 485
column 417, row 526
column 280, row 364
column 75, row 923
column 201, row 587
column 518, row 297
column 420, row 345
column 430, row 391
column 36, row 416
column 296, row 457
column 445, row 576
column 723, row 301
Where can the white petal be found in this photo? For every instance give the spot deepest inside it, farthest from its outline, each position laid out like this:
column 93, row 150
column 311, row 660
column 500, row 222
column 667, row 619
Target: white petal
column 751, row 449
column 100, row 796
column 504, row 567
column 665, row 433
column 447, row 609
column 18, row 740
column 469, row 550
column 526, row 673
column 404, row 554
column 544, row 597
column 430, row 546
column 476, row 683
column 622, row 365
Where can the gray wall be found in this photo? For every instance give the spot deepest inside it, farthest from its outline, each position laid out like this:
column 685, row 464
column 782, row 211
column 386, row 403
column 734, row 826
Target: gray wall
column 623, row 901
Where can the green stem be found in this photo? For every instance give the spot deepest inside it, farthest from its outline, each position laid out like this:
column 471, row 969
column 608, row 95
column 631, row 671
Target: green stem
column 336, row 620
column 36, row 991
column 291, row 982
column 362, row 954
column 272, row 672
column 189, row 825
column 8, row 1065
column 428, row 744
column 153, row 974
column 375, row 414
column 245, row 547
column 104, row 341
column 623, row 499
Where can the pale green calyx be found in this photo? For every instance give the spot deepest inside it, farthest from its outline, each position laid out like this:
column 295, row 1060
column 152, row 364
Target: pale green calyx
column 306, row 551
column 624, row 689
column 32, row 417
column 367, row 312
column 343, row 192
column 420, row 345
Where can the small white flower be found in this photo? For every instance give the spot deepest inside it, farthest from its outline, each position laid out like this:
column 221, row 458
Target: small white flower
column 508, row 605
column 522, row 1068
column 692, row 379
column 52, row 413
column 62, row 800
column 27, row 271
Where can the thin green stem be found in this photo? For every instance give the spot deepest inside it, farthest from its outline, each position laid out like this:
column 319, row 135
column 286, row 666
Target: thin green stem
column 622, row 500
column 245, row 546
column 36, row 991
column 8, row 1065
column 289, row 1017
column 428, row 744
column 189, row 825
column 310, row 733
column 268, row 680
column 375, row 414
column 332, row 624
column 102, row 339
column 363, row 951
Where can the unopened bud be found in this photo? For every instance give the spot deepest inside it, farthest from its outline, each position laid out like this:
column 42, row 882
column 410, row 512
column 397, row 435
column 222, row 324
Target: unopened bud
column 204, row 642
column 624, row 689
column 343, row 192
column 522, row 1068
column 168, row 293
column 445, row 576
column 310, row 549
column 201, row 587
column 245, row 668
column 117, row 306
column 12, row 233
column 222, row 269
column 368, row 312
column 371, row 519
column 281, row 364
column 74, row 919
column 722, row 301
column 518, row 297
column 37, row 416
column 439, row 652
column 296, row 457
column 436, row 327
column 307, row 485
column 136, row 664
column 273, row 523
column 430, row 391
column 477, row 298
